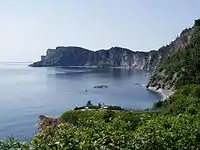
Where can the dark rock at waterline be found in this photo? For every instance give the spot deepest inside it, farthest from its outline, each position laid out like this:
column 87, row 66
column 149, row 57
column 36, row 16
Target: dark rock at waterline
column 101, row 86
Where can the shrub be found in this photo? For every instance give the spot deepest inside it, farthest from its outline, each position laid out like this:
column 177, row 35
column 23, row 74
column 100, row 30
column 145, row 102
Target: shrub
column 114, row 108
column 158, row 105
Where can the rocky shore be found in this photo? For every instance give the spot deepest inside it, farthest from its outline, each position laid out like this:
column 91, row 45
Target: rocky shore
column 163, row 92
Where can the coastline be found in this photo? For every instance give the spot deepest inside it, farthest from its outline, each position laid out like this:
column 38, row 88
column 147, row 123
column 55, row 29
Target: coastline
column 163, row 92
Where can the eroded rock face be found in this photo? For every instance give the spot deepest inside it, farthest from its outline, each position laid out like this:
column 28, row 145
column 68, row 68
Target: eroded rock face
column 77, row 56
column 113, row 57
column 157, row 82
column 47, row 121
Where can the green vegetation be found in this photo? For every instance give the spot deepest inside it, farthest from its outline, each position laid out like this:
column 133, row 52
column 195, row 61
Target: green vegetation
column 89, row 105
column 171, row 124
column 13, row 143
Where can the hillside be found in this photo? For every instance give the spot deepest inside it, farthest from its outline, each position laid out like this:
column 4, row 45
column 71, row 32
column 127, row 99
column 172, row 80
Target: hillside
column 113, row 57
column 182, row 67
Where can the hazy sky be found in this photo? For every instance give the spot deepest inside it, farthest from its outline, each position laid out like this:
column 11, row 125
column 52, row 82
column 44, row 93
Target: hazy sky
column 29, row 27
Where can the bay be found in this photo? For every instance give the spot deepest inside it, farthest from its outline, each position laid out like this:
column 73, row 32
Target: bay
column 29, row 92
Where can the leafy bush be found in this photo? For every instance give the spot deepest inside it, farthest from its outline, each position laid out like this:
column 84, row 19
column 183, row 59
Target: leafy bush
column 158, row 105
column 169, row 132
column 114, row 108
column 13, row 143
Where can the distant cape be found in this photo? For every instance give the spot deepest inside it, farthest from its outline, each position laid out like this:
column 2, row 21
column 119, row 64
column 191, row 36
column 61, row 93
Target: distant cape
column 113, row 57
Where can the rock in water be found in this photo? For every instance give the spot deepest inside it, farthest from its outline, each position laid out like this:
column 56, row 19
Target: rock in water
column 101, row 86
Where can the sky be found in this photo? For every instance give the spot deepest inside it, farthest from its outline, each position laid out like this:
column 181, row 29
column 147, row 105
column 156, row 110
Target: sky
column 29, row 27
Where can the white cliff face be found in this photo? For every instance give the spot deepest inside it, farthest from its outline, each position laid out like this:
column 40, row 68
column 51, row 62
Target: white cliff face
column 50, row 53
column 113, row 57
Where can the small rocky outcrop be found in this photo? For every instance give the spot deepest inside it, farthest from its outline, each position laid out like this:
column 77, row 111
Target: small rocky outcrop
column 157, row 82
column 100, row 86
column 47, row 121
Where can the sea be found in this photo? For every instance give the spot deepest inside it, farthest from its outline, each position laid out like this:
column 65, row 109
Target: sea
column 28, row 92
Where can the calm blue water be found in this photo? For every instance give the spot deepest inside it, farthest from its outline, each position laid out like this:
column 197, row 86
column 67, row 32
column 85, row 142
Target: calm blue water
column 28, row 92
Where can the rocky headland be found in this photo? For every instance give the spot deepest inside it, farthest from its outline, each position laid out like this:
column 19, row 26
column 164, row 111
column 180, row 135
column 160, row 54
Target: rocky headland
column 113, row 57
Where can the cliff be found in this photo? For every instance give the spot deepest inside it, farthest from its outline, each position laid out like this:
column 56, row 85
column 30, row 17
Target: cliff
column 113, row 57
column 181, row 67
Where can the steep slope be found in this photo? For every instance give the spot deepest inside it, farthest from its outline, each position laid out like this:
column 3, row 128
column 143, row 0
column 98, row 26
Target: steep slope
column 113, row 57
column 77, row 56
column 181, row 67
